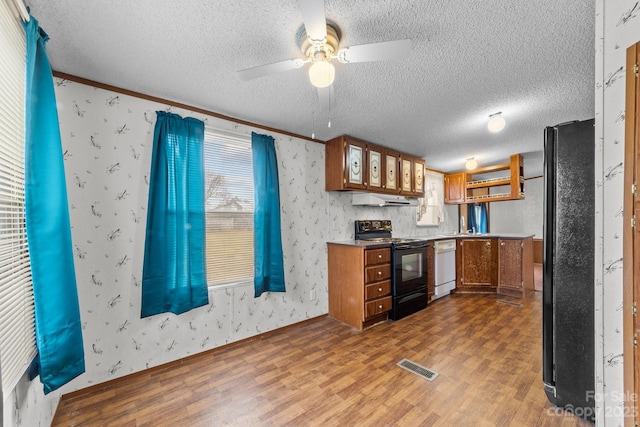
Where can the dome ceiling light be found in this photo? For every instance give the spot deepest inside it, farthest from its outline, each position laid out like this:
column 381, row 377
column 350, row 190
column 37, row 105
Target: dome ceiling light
column 496, row 122
column 471, row 163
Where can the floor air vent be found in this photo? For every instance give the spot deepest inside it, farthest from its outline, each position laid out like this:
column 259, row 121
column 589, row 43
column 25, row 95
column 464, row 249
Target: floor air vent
column 516, row 304
column 418, row 370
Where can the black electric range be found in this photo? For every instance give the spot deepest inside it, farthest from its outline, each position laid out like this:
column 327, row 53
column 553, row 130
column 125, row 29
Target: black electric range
column 409, row 266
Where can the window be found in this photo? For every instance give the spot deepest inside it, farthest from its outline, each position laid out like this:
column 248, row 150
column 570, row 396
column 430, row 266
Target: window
column 229, row 207
column 17, row 332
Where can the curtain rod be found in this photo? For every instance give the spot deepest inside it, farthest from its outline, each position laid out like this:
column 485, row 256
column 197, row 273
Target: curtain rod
column 20, row 10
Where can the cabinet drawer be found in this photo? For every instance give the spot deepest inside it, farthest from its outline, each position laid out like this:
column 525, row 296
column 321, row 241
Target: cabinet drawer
column 377, row 273
column 378, row 306
column 377, row 256
column 377, row 290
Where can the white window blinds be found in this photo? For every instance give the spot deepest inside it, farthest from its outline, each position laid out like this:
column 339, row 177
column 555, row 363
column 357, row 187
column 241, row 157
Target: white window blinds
column 17, row 335
column 229, row 207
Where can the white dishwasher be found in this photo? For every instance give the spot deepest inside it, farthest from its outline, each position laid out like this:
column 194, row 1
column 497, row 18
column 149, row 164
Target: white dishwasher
column 445, row 267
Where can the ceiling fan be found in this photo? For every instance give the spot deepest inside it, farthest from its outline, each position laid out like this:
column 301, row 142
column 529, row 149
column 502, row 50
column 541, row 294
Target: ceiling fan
column 319, row 44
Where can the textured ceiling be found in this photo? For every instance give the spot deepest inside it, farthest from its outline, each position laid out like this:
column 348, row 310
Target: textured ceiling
column 533, row 60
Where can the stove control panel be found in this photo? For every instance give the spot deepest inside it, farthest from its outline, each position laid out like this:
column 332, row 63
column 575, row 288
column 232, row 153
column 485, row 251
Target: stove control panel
column 373, row 225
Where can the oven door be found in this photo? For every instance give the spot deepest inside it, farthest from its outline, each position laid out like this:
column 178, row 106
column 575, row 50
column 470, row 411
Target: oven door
column 410, row 267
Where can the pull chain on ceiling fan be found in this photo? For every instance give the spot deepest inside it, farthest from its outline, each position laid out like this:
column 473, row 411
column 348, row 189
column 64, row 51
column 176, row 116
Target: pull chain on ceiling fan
column 319, row 45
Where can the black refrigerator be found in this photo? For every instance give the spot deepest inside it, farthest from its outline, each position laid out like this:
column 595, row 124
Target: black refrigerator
column 568, row 267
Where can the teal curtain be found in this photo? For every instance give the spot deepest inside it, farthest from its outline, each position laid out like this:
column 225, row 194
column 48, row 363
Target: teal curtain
column 174, row 275
column 267, row 245
column 477, row 217
column 57, row 311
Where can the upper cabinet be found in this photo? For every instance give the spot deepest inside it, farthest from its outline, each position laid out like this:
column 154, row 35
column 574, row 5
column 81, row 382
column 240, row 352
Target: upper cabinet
column 454, row 188
column 353, row 164
column 346, row 164
column 391, row 162
column 375, row 166
column 406, row 175
column 488, row 184
column 418, row 176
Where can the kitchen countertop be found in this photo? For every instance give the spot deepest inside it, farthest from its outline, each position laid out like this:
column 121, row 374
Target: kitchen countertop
column 492, row 235
column 372, row 245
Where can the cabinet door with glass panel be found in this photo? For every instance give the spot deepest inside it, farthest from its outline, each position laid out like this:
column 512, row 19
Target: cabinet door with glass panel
column 406, row 175
column 375, row 158
column 418, row 177
column 356, row 164
column 391, row 181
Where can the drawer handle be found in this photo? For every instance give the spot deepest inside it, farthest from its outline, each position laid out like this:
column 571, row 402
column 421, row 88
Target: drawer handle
column 380, row 306
column 379, row 289
column 379, row 255
column 379, row 273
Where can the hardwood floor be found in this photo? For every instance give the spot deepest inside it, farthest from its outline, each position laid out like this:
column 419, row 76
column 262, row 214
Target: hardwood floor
column 322, row 372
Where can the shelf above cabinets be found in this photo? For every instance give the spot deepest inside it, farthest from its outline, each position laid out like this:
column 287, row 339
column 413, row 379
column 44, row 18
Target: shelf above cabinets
column 488, row 184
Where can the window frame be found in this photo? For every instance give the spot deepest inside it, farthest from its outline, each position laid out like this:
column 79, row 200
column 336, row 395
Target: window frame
column 17, row 319
column 236, row 140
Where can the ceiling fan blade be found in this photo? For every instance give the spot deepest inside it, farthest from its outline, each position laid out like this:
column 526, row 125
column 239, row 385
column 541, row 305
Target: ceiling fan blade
column 265, row 70
column 382, row 51
column 315, row 23
column 325, row 96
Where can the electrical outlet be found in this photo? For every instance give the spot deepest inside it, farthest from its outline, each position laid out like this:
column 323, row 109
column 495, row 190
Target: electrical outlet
column 312, row 294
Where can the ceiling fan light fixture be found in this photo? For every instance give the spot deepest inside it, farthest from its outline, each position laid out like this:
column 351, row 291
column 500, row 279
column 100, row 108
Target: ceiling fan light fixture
column 496, row 122
column 471, row 163
column 322, row 74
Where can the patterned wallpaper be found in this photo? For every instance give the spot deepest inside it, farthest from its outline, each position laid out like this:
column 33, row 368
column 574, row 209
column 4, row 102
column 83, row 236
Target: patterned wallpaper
column 107, row 148
column 617, row 27
column 106, row 137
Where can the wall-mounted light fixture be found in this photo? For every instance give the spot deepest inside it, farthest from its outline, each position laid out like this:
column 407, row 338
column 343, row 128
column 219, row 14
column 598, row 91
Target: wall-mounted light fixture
column 496, row 122
column 471, row 163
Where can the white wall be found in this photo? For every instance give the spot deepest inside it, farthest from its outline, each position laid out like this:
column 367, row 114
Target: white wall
column 520, row 216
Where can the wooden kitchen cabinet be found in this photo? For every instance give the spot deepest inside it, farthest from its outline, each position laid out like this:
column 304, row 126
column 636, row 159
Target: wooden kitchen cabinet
column 346, row 164
column 353, row 164
column 502, row 182
column 476, row 265
column 406, row 175
column 418, row 177
column 488, row 184
column 391, row 182
column 359, row 284
column 375, row 167
column 515, row 266
column 454, row 188
column 411, row 176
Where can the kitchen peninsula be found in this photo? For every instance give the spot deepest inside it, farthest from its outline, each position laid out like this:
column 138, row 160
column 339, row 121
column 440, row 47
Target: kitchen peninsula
column 494, row 263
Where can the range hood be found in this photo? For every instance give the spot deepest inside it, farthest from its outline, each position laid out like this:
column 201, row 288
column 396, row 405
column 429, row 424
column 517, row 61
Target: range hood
column 372, row 199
